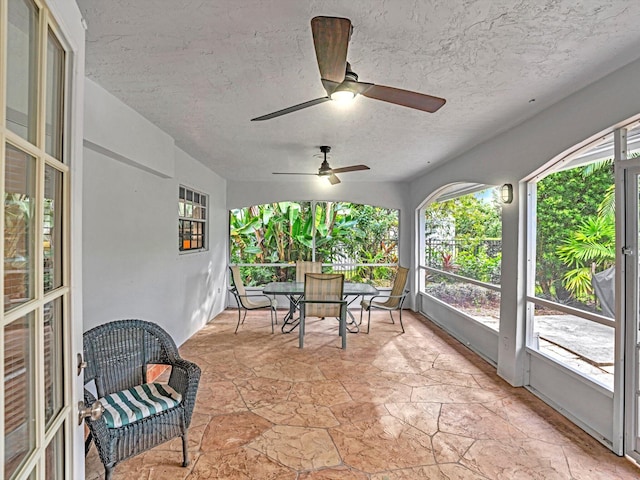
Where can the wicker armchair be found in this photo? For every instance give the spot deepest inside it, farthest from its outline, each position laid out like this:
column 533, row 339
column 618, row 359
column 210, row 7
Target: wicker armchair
column 117, row 356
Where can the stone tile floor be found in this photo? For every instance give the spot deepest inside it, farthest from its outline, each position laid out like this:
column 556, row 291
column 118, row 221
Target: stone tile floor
column 392, row 406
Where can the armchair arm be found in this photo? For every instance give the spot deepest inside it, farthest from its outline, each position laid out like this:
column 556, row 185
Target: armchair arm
column 185, row 376
column 387, row 297
column 97, row 428
column 235, row 293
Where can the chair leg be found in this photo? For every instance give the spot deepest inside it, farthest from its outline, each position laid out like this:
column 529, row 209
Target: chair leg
column 185, row 450
column 108, row 471
column 301, row 329
column 272, row 311
column 401, row 320
column 87, row 444
column 391, row 315
column 343, row 326
column 369, row 319
column 238, row 320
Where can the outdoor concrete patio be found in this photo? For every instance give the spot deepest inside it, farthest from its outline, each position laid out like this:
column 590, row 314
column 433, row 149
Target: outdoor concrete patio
column 392, row 406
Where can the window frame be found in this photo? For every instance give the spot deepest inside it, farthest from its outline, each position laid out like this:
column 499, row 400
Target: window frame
column 201, row 220
column 449, row 193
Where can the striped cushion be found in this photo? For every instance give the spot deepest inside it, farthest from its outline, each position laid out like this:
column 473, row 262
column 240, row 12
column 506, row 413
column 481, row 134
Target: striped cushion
column 128, row 406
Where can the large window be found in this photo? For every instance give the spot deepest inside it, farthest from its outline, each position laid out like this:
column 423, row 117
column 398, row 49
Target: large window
column 192, row 220
column 462, row 251
column 360, row 241
column 572, row 248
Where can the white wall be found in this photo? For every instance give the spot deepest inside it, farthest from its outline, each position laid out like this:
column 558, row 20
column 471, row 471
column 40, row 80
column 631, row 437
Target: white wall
column 132, row 268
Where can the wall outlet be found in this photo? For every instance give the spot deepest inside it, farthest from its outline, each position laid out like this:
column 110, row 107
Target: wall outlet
column 218, row 289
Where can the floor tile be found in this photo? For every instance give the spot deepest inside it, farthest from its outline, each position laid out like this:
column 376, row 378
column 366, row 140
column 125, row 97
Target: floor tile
column 392, row 406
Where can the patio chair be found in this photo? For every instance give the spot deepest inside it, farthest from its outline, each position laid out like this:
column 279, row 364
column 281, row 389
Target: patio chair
column 323, row 298
column 250, row 302
column 303, row 268
column 137, row 415
column 391, row 302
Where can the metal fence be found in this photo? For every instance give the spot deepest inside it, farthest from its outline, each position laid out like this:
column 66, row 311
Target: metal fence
column 437, row 249
column 377, row 274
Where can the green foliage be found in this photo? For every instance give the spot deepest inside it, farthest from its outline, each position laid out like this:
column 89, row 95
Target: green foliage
column 479, row 265
column 564, row 200
column 285, row 232
column 469, row 215
column 458, row 232
column 590, row 247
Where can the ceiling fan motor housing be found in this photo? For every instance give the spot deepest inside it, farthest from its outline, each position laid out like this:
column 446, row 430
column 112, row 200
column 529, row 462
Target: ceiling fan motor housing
column 325, row 169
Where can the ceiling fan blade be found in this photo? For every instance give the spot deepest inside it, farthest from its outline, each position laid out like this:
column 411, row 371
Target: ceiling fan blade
column 331, row 40
column 292, row 173
column 419, row 101
column 333, row 179
column 295, row 108
column 352, row 168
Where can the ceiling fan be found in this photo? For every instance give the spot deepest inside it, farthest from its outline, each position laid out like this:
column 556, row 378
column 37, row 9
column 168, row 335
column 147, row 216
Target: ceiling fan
column 326, row 171
column 331, row 38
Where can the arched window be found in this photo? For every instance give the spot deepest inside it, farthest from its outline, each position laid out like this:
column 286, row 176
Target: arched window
column 460, row 262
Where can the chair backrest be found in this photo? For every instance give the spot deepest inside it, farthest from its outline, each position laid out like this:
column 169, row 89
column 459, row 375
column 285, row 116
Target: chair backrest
column 303, row 267
column 236, row 281
column 323, row 287
column 117, row 353
column 399, row 283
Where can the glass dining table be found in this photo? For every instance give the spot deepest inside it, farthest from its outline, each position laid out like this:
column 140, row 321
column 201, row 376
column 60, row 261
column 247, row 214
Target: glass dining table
column 294, row 291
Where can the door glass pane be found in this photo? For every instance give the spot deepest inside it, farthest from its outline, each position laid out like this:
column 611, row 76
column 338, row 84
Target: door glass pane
column 54, row 457
column 19, row 414
column 55, row 83
column 22, row 44
column 53, row 359
column 52, row 228
column 19, row 208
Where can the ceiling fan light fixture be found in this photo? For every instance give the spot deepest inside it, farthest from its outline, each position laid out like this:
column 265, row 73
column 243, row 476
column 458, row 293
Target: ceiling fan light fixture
column 343, row 95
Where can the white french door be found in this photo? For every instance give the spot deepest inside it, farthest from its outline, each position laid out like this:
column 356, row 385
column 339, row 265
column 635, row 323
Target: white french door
column 35, row 400
column 630, row 256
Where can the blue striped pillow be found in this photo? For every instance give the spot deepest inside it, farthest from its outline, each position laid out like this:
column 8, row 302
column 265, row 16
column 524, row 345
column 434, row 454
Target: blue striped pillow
column 128, row 406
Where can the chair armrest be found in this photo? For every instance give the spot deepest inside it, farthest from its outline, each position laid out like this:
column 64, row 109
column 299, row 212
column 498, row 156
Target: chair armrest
column 185, row 376
column 389, row 296
column 256, row 296
column 384, row 298
column 98, row 428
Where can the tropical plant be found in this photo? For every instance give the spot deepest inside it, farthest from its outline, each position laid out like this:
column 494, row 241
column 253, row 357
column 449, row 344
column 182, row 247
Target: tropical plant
column 285, row 232
column 564, row 199
column 590, row 247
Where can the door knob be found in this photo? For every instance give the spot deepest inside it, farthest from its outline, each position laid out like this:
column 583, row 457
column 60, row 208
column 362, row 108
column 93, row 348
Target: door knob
column 94, row 411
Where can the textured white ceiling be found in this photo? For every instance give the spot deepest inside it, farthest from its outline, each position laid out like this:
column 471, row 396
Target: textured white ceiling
column 201, row 69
